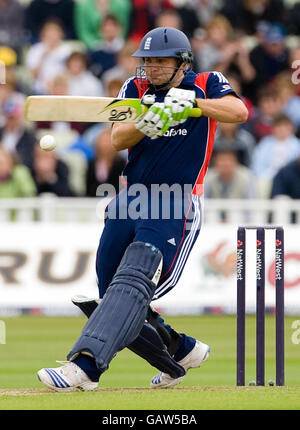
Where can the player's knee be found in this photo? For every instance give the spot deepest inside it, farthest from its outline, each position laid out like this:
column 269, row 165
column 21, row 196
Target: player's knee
column 140, row 268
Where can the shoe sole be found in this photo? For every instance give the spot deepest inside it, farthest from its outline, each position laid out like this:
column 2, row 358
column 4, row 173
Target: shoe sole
column 170, row 384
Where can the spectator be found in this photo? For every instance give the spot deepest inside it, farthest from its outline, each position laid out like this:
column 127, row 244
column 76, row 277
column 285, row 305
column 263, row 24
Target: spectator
column 114, row 87
column 245, row 15
column 125, row 67
column 228, row 179
column 13, row 135
column 15, row 178
column 287, row 181
column 81, row 82
column 290, row 100
column 230, row 135
column 59, row 86
column 50, row 174
column 10, row 71
column 46, row 59
column 11, row 24
column 144, row 15
column 90, row 13
column 104, row 56
column 275, row 151
column 217, row 34
column 8, row 90
column 295, row 18
column 8, row 58
column 203, row 10
column 268, row 59
column 268, row 107
column 39, row 12
column 106, row 167
column 237, row 86
column 90, row 136
column 169, row 18
column 183, row 18
column 221, row 52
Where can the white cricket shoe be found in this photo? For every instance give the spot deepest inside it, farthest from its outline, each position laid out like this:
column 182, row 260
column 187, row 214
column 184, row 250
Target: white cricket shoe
column 68, row 377
column 198, row 355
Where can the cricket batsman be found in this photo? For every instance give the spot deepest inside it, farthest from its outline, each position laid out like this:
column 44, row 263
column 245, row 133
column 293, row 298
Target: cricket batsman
column 142, row 252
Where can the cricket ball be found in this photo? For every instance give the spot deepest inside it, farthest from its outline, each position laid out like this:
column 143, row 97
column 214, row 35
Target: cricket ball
column 47, row 143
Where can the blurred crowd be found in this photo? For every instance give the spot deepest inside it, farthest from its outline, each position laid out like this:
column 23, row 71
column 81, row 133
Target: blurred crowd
column 84, row 48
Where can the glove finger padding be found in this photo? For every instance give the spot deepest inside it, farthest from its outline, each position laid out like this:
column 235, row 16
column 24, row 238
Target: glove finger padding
column 180, row 95
column 156, row 121
column 180, row 102
column 149, row 131
column 183, row 112
column 162, row 119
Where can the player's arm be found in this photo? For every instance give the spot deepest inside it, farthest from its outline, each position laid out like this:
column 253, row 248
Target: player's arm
column 125, row 136
column 153, row 124
column 225, row 109
column 221, row 102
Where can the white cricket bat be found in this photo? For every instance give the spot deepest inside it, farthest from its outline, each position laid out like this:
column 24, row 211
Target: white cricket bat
column 86, row 109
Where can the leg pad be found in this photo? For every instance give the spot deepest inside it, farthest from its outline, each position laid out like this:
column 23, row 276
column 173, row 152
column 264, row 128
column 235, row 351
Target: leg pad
column 153, row 343
column 120, row 316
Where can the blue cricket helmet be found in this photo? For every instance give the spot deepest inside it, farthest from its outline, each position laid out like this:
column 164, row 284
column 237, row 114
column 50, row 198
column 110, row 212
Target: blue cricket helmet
column 165, row 42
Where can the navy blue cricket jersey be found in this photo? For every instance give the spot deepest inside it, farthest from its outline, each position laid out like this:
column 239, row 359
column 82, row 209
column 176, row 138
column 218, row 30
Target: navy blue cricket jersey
column 182, row 155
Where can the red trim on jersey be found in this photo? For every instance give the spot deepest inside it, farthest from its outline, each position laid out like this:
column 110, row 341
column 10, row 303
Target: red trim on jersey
column 123, row 181
column 142, row 86
column 198, row 187
column 201, row 81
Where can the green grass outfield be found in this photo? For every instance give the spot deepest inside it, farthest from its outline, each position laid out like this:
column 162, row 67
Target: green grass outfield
column 33, row 342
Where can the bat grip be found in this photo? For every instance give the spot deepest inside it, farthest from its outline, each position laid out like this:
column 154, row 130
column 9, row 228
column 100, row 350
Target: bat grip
column 194, row 112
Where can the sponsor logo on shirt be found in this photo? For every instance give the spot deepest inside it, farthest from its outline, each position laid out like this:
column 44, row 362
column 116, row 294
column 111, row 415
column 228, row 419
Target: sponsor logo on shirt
column 225, row 88
column 174, row 132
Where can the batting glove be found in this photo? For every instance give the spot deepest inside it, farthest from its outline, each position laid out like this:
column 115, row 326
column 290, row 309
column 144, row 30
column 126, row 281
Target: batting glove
column 156, row 121
column 180, row 103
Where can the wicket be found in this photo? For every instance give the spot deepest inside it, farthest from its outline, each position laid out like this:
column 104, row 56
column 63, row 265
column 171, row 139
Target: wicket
column 260, row 303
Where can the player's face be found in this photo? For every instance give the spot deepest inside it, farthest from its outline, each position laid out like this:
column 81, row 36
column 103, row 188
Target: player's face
column 159, row 70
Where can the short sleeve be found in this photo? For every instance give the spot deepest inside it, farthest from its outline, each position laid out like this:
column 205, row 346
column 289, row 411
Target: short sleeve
column 218, row 86
column 129, row 89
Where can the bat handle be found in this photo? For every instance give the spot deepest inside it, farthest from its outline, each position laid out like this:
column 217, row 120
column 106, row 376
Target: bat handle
column 194, row 112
